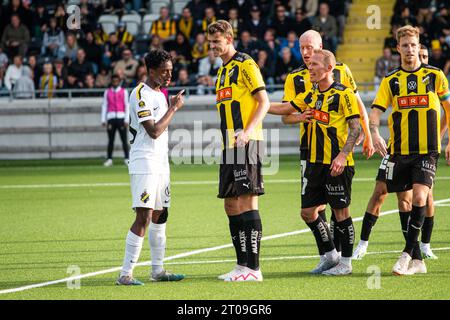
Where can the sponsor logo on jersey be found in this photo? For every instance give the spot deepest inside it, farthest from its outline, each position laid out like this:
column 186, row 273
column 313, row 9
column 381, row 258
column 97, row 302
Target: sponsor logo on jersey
column 408, row 102
column 224, row 94
column 144, row 197
column 144, row 113
column 321, row 116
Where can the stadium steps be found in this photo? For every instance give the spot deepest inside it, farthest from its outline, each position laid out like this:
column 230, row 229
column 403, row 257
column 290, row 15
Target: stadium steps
column 363, row 46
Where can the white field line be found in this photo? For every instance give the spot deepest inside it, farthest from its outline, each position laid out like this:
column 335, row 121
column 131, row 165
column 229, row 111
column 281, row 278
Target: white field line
column 174, row 183
column 178, row 256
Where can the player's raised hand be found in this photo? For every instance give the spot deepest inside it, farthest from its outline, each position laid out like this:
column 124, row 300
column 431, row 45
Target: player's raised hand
column 177, row 101
column 338, row 164
column 379, row 145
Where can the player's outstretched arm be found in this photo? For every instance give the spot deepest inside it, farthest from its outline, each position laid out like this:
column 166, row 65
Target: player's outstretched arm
column 155, row 129
column 243, row 136
column 281, row 108
column 338, row 164
column 374, row 123
column 368, row 148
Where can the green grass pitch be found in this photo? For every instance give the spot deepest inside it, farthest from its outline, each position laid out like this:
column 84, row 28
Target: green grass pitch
column 56, row 214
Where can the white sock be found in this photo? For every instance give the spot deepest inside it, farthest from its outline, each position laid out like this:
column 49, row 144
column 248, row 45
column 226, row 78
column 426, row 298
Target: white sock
column 425, row 246
column 363, row 243
column 157, row 241
column 132, row 251
column 332, row 255
column 346, row 260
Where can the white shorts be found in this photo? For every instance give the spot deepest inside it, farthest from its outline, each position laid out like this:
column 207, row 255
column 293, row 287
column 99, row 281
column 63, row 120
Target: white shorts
column 150, row 191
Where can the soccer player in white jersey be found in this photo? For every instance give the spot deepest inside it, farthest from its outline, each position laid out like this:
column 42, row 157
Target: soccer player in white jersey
column 149, row 170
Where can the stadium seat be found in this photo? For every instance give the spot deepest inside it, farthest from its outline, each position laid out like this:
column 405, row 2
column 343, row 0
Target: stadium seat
column 155, row 6
column 178, row 6
column 133, row 23
column 73, row 2
column 148, row 21
column 141, row 43
column 109, row 22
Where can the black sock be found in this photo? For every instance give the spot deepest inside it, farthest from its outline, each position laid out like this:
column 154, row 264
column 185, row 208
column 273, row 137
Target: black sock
column 322, row 234
column 414, row 225
column 367, row 225
column 334, row 233
column 253, row 234
column 416, row 253
column 238, row 238
column 427, row 229
column 347, row 236
column 404, row 218
column 323, row 215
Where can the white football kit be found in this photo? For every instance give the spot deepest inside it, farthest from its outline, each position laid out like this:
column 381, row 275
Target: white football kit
column 149, row 158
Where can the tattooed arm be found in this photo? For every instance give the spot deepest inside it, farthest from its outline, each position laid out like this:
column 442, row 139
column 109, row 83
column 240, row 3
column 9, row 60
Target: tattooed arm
column 374, row 123
column 338, row 164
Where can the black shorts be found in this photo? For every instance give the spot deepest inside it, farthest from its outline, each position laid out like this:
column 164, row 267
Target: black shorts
column 241, row 171
column 403, row 171
column 381, row 175
column 319, row 187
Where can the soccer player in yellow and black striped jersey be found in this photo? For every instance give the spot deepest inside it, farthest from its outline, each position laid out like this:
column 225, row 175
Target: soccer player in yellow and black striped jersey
column 242, row 103
column 331, row 135
column 414, row 91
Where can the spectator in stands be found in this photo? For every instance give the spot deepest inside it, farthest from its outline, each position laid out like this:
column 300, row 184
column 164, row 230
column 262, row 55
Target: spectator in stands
column 301, row 22
column 404, row 18
column 53, row 40
column 78, row 70
column 40, row 21
column 437, row 58
column 113, row 50
column 338, row 9
column 24, row 87
column 134, row 5
column 244, row 8
column 14, row 72
column 48, row 81
column 233, row 19
column 61, row 17
column 271, row 45
column 210, row 17
column 88, row 18
column 441, row 25
column 292, row 43
column 281, row 23
column 2, row 79
column 100, row 36
column 69, row 50
column 103, row 78
column 221, row 8
column 182, row 47
column 129, row 65
column 326, row 25
column 199, row 50
column 89, row 84
column 115, row 113
column 391, row 41
column 207, row 72
column 3, row 59
column 61, row 73
column 385, row 64
column 255, row 25
column 184, row 80
column 247, row 45
column 115, row 7
column 285, row 65
column 309, row 7
column 425, row 14
column 16, row 7
column 197, row 8
column 123, row 35
column 266, row 66
column 93, row 51
column 186, row 23
column 15, row 38
column 164, row 27
column 155, row 43
column 141, row 74
column 31, row 62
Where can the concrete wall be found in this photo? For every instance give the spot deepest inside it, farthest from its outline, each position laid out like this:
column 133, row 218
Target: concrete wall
column 62, row 128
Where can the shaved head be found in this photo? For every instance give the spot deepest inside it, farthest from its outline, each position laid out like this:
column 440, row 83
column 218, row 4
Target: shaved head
column 309, row 41
column 311, row 36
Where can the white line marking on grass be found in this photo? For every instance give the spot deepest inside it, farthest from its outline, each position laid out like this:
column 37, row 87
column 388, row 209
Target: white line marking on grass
column 186, row 254
column 174, row 183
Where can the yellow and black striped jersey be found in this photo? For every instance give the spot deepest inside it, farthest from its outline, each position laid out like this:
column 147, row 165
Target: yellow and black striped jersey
column 328, row 130
column 414, row 123
column 298, row 81
column 237, row 81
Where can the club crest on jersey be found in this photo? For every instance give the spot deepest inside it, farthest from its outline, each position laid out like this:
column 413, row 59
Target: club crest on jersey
column 412, row 102
column 141, row 104
column 145, row 196
column 426, row 80
column 321, row 116
column 224, row 94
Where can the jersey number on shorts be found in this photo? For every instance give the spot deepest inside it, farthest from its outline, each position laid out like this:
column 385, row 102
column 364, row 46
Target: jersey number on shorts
column 390, row 170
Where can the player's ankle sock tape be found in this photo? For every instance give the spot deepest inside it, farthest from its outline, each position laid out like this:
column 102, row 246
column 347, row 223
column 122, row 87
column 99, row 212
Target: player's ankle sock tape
column 414, row 226
column 334, row 233
column 427, row 229
column 322, row 234
column 237, row 233
column 253, row 234
column 163, row 216
column 347, row 236
column 369, row 221
column 323, row 215
column 404, row 218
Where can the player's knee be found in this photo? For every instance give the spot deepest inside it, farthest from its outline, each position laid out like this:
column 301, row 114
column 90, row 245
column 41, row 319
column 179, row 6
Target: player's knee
column 404, row 205
column 230, row 207
column 162, row 218
column 379, row 193
column 143, row 220
column 305, row 215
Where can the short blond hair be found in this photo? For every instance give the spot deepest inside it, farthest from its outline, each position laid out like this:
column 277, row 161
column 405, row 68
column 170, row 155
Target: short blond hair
column 328, row 57
column 221, row 26
column 407, row 31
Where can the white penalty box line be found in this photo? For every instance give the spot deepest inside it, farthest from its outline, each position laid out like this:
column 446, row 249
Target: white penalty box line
column 199, row 251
